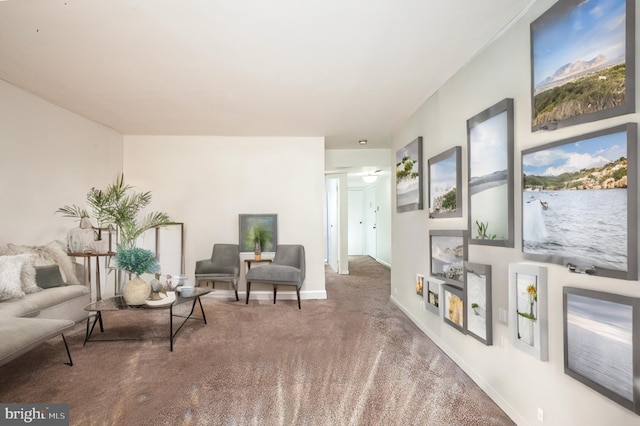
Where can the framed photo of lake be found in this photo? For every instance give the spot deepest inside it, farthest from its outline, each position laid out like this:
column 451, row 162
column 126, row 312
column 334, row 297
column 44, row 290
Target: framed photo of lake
column 448, row 253
column 602, row 343
column 582, row 63
column 445, row 184
column 478, row 303
column 528, row 321
column 454, row 313
column 490, row 186
column 409, row 177
column 579, row 202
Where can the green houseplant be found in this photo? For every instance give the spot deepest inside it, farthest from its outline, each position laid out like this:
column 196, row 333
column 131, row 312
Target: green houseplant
column 259, row 235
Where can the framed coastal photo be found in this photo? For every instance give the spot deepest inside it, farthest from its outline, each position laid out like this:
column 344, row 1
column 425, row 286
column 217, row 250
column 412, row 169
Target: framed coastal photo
column 478, row 303
column 490, row 186
column 528, row 309
column 582, row 62
column 448, row 253
column 419, row 284
column 432, row 296
column 579, row 202
column 409, row 177
column 445, row 184
column 602, row 343
column 454, row 312
column 264, row 226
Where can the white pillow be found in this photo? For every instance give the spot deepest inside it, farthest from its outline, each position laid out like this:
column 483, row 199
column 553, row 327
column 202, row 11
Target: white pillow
column 28, row 273
column 10, row 270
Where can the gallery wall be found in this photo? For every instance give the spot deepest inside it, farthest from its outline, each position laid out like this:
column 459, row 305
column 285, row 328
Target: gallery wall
column 207, row 181
column 49, row 157
column 524, row 386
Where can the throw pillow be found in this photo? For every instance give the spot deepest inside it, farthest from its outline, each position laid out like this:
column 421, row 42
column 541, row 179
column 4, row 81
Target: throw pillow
column 10, row 269
column 28, row 273
column 49, row 276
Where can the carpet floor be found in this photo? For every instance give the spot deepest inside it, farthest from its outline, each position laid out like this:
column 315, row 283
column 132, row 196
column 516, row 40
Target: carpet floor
column 353, row 359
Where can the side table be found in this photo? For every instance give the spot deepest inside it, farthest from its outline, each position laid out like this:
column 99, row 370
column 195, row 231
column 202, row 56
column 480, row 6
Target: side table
column 87, row 268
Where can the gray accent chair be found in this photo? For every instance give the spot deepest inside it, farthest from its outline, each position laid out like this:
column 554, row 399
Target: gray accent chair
column 287, row 268
column 224, row 266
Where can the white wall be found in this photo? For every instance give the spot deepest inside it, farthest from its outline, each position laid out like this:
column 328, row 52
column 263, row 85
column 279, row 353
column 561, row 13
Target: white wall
column 207, row 181
column 517, row 381
column 49, row 157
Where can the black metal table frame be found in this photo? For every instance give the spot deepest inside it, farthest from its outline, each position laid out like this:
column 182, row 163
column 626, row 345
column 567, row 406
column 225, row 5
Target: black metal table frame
column 98, row 319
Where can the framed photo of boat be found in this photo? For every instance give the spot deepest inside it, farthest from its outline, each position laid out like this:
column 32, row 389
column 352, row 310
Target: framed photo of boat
column 490, row 186
column 409, row 176
column 582, row 63
column 579, row 203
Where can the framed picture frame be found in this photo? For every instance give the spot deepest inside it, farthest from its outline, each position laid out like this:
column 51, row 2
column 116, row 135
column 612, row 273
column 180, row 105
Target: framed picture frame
column 454, row 312
column 409, row 177
column 582, row 63
column 419, row 285
column 528, row 320
column 448, row 251
column 445, row 184
column 432, row 296
column 478, row 304
column 579, row 203
column 265, row 223
column 490, row 138
column 602, row 343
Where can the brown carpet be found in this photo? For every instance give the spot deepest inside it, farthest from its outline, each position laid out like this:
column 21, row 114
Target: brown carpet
column 353, row 359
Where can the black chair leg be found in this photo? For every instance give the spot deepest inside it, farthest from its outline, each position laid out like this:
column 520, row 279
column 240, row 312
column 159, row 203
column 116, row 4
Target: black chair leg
column 248, row 291
column 298, row 294
column 275, row 290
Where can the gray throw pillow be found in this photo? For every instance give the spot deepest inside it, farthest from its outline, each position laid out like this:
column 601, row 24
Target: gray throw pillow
column 49, row 276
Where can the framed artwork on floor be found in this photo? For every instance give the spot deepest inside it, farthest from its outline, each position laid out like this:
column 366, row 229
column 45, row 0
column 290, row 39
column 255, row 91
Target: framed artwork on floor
column 261, row 226
column 528, row 309
column 409, row 177
column 448, row 253
column 490, row 169
column 602, row 343
column 579, row 202
column 478, row 303
column 582, row 63
column 445, row 184
column 453, row 309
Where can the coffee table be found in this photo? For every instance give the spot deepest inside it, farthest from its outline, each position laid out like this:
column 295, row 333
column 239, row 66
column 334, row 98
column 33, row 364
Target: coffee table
column 117, row 303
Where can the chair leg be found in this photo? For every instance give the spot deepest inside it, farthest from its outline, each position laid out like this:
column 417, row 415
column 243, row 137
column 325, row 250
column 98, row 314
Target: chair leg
column 248, row 291
column 298, row 294
column 235, row 288
column 275, row 290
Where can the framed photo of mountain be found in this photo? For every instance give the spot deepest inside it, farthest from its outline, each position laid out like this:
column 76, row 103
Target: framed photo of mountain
column 490, row 185
column 445, row 184
column 409, row 176
column 579, row 203
column 582, row 63
column 448, row 253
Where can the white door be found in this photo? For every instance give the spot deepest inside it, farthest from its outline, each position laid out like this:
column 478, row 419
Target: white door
column 355, row 224
column 332, row 223
column 370, row 223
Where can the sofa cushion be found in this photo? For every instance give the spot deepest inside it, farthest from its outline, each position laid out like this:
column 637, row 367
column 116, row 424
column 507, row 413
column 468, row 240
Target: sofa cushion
column 32, row 304
column 28, row 273
column 10, row 270
column 53, row 252
column 24, row 334
column 49, row 276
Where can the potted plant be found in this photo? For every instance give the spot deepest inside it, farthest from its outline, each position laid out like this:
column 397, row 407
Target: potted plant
column 137, row 261
column 260, row 236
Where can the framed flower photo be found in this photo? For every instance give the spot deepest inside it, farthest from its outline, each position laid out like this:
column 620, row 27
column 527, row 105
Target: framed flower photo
column 453, row 310
column 409, row 176
column 528, row 309
column 478, row 303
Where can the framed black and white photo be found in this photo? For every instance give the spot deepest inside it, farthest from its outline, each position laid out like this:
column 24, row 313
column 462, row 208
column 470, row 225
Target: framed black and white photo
column 478, row 303
column 445, row 184
column 602, row 343
column 582, row 62
column 490, row 151
column 579, row 202
column 409, row 177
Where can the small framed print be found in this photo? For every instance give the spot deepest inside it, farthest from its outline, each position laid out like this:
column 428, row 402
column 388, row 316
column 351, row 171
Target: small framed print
column 432, row 296
column 454, row 312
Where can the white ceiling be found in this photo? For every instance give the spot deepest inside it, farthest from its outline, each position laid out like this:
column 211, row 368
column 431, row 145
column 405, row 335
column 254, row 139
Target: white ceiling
column 343, row 69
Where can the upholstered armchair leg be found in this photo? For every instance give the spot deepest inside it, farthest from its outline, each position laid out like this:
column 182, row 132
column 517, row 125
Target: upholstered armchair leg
column 298, row 294
column 248, row 291
column 275, row 290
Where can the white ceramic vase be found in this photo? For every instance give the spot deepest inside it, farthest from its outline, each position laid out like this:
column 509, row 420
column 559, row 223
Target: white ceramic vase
column 136, row 291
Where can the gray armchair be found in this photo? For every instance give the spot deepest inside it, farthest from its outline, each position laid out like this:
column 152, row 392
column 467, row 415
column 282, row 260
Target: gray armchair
column 224, row 265
column 287, row 268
